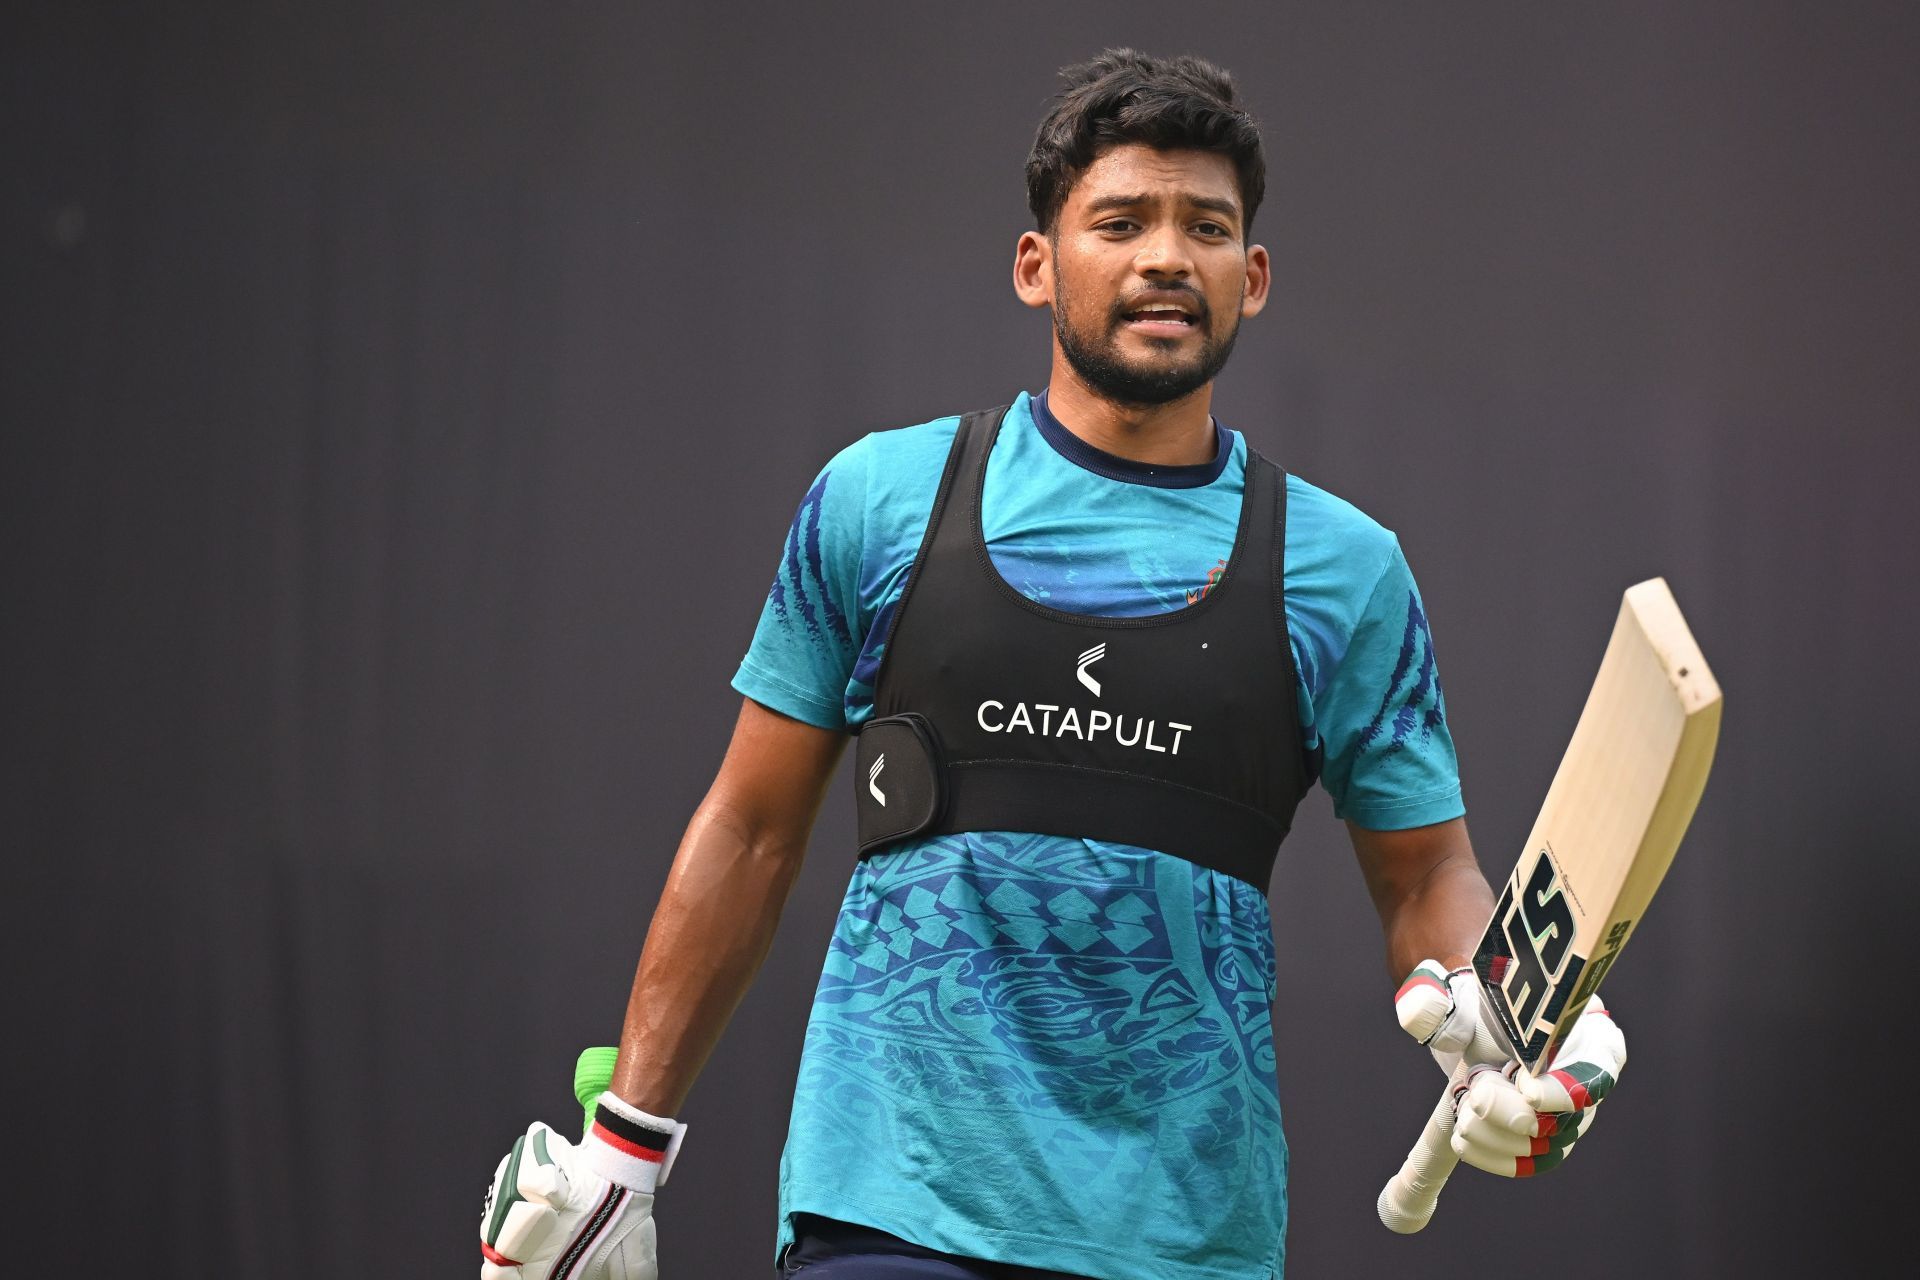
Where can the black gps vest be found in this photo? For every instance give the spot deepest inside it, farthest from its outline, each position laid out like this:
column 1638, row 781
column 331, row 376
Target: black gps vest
column 1177, row 732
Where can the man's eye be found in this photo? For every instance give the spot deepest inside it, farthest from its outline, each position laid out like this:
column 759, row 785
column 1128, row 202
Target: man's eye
column 1118, row 224
column 1211, row 229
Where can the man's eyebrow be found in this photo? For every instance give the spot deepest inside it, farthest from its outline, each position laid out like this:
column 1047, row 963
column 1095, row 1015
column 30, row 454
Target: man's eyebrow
column 1215, row 204
column 1219, row 204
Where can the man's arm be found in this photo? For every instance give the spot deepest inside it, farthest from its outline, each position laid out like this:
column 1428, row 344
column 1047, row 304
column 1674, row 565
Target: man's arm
column 1428, row 888
column 716, row 918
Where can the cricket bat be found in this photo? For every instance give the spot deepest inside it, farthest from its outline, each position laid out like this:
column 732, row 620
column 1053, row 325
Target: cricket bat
column 1613, row 818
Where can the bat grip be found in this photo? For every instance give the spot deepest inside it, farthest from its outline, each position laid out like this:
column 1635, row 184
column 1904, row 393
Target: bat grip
column 593, row 1076
column 1407, row 1202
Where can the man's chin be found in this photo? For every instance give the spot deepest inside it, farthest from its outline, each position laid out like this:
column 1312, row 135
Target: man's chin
column 1144, row 391
column 1158, row 371
column 1159, row 381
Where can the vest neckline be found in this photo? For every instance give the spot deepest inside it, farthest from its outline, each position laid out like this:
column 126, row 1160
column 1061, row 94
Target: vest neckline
column 970, row 488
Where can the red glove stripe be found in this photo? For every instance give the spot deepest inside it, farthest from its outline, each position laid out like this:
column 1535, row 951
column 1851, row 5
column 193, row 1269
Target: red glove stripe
column 626, row 1146
column 1575, row 1090
column 1523, row 1167
column 1420, row 979
column 496, row 1257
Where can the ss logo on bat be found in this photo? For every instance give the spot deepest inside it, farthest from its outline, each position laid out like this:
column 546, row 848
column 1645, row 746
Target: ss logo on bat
column 1528, row 953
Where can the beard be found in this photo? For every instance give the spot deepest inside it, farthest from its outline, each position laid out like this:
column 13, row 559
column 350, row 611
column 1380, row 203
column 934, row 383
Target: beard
column 1097, row 360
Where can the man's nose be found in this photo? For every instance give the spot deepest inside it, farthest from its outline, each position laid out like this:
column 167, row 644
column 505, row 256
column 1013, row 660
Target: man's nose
column 1163, row 252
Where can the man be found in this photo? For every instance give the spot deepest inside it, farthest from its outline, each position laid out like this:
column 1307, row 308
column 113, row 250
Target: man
column 1096, row 649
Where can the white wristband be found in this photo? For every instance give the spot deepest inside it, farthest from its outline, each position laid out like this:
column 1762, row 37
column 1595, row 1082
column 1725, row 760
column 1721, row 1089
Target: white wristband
column 630, row 1147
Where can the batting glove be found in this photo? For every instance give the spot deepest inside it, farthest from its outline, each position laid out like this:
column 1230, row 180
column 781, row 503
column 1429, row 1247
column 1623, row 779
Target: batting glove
column 1516, row 1125
column 1509, row 1122
column 1440, row 1009
column 557, row 1211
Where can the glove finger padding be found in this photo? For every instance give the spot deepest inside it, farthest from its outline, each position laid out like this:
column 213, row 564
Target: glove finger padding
column 509, row 1224
column 1499, row 1132
column 1585, row 1069
column 1492, row 1103
column 526, row 1228
column 542, row 1187
column 1517, row 1125
column 1440, row 1009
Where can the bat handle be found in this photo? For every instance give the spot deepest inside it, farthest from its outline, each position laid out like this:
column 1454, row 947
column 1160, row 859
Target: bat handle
column 1406, row 1202
column 593, row 1076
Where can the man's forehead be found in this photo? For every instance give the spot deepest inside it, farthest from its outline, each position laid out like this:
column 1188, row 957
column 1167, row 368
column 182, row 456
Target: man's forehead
column 1136, row 169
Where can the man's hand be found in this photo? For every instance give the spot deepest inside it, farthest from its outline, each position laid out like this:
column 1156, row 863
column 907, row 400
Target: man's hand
column 1516, row 1125
column 1508, row 1122
column 560, row 1212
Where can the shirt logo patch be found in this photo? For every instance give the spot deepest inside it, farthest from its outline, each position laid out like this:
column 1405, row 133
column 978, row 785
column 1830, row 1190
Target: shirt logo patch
column 1196, row 595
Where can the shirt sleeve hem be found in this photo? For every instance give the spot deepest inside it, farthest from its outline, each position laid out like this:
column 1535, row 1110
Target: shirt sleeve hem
column 788, row 699
column 1421, row 811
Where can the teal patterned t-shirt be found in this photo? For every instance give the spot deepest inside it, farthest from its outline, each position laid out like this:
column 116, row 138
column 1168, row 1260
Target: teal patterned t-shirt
column 1058, row 1052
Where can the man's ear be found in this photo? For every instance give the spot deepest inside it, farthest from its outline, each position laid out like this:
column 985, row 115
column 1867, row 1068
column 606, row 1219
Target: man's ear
column 1033, row 269
column 1259, row 281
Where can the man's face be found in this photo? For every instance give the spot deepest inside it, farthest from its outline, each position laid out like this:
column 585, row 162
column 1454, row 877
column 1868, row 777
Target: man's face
column 1149, row 273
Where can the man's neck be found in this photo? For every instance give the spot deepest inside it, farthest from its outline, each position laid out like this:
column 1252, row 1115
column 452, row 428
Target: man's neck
column 1176, row 434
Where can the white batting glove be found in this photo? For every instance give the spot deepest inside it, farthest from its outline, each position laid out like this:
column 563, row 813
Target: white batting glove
column 1517, row 1125
column 557, row 1211
column 1440, row 1009
column 1509, row 1123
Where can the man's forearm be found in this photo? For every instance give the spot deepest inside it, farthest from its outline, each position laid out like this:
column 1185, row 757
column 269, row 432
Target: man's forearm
column 709, row 936
column 1440, row 919
column 1427, row 886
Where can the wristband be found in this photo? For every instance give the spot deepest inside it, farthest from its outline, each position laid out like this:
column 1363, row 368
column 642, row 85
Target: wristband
column 628, row 1146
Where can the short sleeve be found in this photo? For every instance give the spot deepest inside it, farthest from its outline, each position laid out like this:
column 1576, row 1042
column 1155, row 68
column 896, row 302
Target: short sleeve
column 1389, row 760
column 808, row 637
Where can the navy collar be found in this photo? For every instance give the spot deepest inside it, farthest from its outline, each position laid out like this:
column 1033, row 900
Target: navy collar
column 1101, row 463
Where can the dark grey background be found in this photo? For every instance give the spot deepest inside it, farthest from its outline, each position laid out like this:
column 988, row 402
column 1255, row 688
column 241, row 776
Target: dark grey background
column 402, row 410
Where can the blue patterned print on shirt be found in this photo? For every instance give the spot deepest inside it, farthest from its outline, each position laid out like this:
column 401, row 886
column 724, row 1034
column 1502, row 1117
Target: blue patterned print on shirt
column 1419, row 703
column 1031, row 983
column 800, row 584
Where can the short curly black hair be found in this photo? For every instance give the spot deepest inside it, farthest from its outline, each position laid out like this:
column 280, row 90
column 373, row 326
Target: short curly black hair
column 1123, row 95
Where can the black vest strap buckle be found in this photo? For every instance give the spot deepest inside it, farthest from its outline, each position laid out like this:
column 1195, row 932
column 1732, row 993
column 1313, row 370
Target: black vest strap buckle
column 899, row 781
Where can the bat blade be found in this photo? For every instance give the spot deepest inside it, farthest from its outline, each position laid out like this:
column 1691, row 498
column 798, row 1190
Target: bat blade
column 1613, row 818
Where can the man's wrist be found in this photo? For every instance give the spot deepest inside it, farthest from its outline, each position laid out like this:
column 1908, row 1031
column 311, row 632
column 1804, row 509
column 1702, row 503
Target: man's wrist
column 629, row 1146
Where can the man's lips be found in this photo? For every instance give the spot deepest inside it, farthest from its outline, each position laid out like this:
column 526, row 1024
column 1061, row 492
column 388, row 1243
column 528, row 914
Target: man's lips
column 1162, row 314
column 1161, row 324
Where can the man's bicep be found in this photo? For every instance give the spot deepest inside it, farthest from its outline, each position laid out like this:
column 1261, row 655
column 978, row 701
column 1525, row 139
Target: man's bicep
column 775, row 773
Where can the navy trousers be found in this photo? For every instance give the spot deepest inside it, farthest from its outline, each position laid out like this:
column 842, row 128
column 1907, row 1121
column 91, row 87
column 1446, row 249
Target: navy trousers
column 825, row 1249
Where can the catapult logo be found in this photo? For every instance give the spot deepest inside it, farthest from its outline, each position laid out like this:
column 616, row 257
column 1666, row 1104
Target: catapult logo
column 873, row 779
column 1092, row 724
column 1087, row 659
